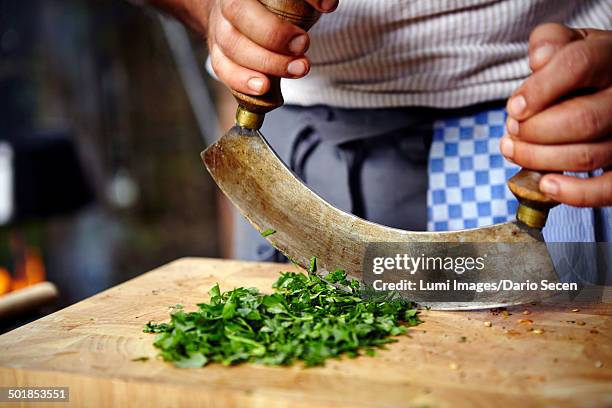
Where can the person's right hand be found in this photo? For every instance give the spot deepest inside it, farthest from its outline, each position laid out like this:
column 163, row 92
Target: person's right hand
column 247, row 41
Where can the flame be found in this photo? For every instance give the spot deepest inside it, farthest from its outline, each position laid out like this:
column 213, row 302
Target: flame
column 28, row 271
column 34, row 267
column 5, row 281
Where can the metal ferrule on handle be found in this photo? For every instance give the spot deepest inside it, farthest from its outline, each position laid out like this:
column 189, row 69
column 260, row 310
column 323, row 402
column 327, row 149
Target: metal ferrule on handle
column 532, row 216
column 248, row 119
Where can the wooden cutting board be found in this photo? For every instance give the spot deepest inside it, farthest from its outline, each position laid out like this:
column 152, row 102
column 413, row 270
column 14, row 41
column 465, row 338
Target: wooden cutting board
column 452, row 359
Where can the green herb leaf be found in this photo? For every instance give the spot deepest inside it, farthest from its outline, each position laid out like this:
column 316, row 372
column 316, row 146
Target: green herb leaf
column 337, row 276
column 195, row 360
column 268, row 232
column 313, row 265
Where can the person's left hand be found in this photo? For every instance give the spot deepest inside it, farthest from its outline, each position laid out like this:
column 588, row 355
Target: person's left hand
column 560, row 118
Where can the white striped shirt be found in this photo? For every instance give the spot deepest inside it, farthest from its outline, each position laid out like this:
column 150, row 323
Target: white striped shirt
column 435, row 53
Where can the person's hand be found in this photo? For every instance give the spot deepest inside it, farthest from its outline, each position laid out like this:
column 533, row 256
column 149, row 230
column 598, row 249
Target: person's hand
column 560, row 118
column 246, row 41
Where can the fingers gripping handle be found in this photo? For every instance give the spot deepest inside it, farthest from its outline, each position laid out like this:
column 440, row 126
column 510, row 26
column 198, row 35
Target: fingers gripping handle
column 533, row 204
column 252, row 109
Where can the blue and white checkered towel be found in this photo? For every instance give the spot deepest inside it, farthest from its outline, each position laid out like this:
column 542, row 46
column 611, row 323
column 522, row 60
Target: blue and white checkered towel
column 468, row 174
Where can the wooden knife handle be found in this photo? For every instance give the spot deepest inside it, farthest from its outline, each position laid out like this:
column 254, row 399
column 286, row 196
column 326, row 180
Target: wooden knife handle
column 534, row 205
column 297, row 12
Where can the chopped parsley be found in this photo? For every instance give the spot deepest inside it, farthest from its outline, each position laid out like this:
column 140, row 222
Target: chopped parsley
column 305, row 319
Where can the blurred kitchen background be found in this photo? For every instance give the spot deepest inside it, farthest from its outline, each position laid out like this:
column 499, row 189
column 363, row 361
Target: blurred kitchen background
column 104, row 109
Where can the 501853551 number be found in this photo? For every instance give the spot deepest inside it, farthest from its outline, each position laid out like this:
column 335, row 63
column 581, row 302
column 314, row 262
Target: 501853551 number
column 34, row 394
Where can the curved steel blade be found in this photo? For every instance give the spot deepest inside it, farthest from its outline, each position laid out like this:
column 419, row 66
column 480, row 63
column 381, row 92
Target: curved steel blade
column 270, row 196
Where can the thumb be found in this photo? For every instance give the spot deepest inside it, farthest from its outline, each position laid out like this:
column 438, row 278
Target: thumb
column 546, row 40
column 579, row 192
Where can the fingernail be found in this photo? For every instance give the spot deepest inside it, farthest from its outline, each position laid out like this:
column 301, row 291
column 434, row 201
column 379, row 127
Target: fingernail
column 296, row 68
column 512, row 126
column 517, row 105
column 550, row 187
column 256, row 84
column 328, row 5
column 297, row 45
column 543, row 54
column 506, row 146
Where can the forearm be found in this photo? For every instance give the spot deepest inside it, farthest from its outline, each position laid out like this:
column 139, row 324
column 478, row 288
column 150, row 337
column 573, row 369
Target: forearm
column 193, row 13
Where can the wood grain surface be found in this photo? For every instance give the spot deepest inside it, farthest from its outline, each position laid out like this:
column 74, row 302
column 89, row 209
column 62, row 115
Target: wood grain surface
column 562, row 358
